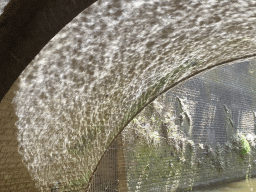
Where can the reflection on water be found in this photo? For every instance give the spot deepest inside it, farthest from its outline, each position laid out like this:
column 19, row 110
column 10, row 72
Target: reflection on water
column 240, row 186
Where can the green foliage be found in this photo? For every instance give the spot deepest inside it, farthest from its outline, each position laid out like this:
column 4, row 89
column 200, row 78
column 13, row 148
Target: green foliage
column 245, row 146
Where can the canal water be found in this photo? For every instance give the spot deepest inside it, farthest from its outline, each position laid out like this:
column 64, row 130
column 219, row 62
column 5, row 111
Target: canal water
column 240, row 186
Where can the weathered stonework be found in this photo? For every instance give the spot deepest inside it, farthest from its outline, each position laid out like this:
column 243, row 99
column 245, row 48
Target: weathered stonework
column 176, row 161
column 97, row 72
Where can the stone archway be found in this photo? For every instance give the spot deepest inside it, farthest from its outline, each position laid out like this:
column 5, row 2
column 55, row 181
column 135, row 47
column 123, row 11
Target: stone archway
column 26, row 26
column 117, row 83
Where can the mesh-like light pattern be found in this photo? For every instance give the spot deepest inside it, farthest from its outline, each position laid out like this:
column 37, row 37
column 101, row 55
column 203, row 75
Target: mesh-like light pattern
column 102, row 68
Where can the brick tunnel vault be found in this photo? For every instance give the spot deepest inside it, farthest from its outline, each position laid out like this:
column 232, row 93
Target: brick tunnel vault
column 67, row 75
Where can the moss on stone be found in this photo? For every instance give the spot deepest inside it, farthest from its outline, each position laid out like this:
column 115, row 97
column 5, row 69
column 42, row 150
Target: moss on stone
column 245, row 146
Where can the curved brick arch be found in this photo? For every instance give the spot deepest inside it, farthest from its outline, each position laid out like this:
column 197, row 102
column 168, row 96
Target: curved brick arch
column 179, row 70
column 25, row 28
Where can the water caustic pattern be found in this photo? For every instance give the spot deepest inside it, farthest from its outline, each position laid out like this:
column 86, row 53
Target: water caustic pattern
column 102, row 68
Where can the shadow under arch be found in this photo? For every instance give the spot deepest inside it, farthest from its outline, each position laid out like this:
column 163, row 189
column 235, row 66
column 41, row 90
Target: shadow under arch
column 26, row 26
column 28, row 75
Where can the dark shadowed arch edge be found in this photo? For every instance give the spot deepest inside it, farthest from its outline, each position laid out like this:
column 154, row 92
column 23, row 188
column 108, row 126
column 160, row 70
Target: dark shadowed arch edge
column 16, row 23
column 26, row 26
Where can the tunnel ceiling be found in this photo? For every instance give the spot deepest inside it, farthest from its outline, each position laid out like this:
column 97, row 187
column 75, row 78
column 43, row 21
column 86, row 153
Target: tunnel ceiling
column 26, row 26
column 110, row 61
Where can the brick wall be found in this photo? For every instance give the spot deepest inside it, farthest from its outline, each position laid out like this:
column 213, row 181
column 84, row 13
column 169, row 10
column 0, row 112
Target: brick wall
column 19, row 48
column 26, row 26
column 219, row 105
column 156, row 158
column 14, row 175
column 21, row 41
column 110, row 174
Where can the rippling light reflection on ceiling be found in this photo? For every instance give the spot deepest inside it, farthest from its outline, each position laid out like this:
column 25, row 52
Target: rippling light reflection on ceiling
column 103, row 67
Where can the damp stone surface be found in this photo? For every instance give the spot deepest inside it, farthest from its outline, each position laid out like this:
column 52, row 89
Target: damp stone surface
column 103, row 67
column 159, row 153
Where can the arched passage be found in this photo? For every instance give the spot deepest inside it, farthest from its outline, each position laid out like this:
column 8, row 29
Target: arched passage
column 188, row 137
column 26, row 26
column 93, row 86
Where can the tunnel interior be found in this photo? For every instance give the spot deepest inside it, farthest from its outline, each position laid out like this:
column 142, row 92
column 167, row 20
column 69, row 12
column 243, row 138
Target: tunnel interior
column 79, row 96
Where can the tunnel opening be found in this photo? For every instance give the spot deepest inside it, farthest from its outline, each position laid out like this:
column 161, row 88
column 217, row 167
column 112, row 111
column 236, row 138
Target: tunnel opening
column 198, row 134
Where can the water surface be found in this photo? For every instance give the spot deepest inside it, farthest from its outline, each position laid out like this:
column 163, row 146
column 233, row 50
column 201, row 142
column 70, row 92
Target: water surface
column 240, row 186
